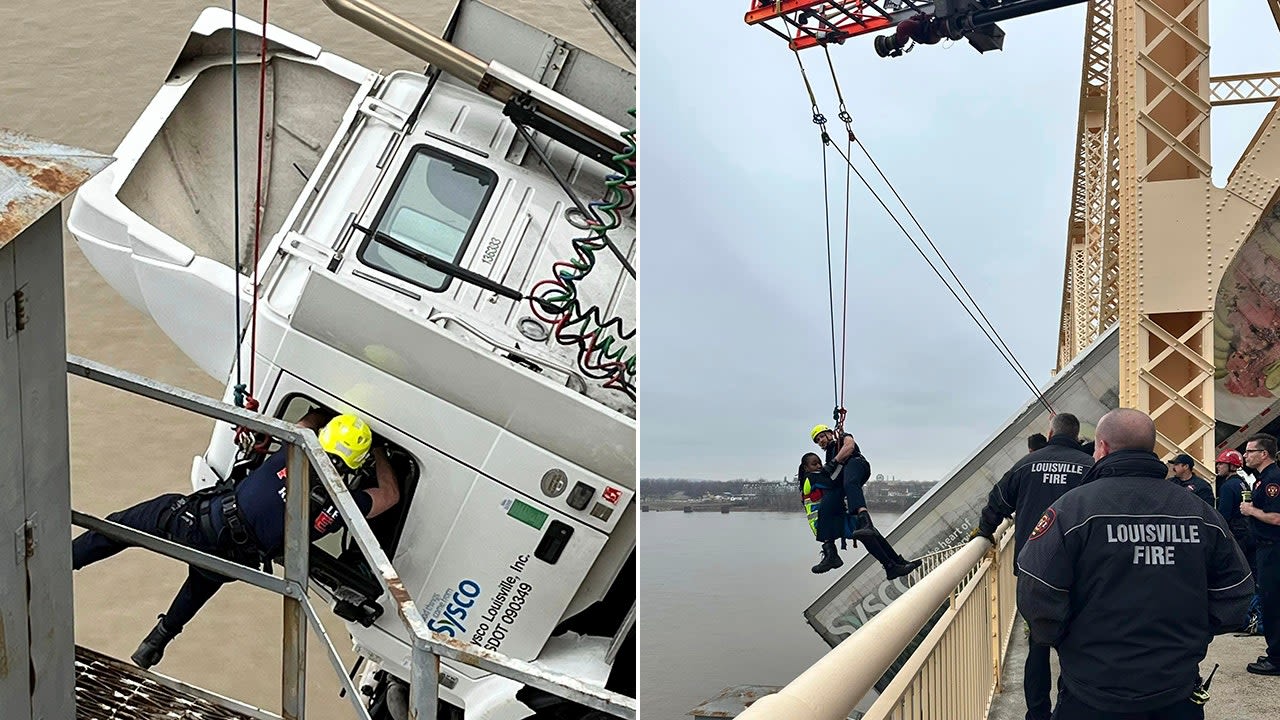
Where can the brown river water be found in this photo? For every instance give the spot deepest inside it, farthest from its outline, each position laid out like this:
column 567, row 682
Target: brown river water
column 80, row 73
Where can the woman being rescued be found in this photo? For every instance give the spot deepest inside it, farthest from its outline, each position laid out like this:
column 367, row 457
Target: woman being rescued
column 824, row 503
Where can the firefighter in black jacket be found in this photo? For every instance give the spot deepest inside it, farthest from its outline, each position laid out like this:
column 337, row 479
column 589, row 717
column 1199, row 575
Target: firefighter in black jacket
column 1026, row 491
column 1234, row 484
column 1263, row 511
column 1184, row 476
column 1130, row 576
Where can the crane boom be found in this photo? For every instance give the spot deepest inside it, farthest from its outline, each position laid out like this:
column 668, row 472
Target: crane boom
column 809, row 23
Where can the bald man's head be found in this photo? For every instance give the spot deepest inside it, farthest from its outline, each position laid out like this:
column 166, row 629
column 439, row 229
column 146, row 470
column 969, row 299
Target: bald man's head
column 1124, row 429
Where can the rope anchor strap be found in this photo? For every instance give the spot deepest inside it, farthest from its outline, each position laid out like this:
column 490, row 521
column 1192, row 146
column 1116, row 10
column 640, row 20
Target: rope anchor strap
column 245, row 438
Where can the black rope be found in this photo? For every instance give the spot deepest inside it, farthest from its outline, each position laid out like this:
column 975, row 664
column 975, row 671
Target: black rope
column 235, row 190
column 821, row 122
column 946, row 264
column 847, row 119
column 988, row 329
column 998, row 341
column 844, row 300
column 1022, row 375
column 831, row 293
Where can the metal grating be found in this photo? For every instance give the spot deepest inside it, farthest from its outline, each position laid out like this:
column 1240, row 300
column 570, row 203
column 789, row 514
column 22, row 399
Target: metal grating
column 818, row 23
column 107, row 689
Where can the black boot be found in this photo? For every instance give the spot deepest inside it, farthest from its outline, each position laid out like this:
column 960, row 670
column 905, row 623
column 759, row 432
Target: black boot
column 880, row 550
column 862, row 527
column 910, row 564
column 895, row 566
column 152, row 647
column 901, row 569
column 830, row 558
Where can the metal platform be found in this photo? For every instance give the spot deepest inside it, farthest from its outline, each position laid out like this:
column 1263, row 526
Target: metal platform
column 108, row 689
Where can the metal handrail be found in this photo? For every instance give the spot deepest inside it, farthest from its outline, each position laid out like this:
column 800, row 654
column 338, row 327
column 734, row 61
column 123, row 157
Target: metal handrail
column 304, row 450
column 976, row 625
column 833, row 686
column 929, row 561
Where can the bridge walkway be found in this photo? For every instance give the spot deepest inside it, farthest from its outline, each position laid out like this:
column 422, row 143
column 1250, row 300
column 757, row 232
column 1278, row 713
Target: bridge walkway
column 1235, row 694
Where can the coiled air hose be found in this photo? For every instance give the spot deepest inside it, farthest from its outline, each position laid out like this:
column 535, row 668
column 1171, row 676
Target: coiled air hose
column 604, row 352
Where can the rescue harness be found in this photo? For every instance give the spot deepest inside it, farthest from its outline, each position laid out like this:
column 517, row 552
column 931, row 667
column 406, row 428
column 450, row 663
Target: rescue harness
column 198, row 509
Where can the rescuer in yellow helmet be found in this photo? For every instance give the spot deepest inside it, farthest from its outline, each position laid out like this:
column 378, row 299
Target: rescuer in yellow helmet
column 347, row 438
column 841, row 511
column 244, row 522
column 818, row 430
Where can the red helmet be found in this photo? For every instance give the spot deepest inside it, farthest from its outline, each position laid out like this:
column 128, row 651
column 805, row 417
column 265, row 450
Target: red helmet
column 1230, row 457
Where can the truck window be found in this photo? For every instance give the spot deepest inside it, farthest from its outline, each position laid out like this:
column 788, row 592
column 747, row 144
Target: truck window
column 434, row 209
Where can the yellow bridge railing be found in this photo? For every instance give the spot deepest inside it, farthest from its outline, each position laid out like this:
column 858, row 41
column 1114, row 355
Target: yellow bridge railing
column 953, row 673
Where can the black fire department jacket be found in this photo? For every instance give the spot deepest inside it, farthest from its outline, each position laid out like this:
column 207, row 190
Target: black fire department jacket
column 1032, row 484
column 1198, row 486
column 1129, row 576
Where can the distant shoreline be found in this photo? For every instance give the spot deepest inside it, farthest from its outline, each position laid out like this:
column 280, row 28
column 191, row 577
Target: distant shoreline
column 721, row 506
column 676, row 494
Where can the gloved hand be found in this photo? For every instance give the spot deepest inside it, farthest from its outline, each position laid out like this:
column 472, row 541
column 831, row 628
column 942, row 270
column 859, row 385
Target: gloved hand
column 980, row 531
column 830, row 467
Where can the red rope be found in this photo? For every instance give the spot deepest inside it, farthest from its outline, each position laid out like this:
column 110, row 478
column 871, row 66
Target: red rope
column 257, row 202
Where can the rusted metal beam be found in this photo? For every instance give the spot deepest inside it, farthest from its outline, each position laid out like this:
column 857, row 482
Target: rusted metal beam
column 37, row 643
column 43, row 174
column 424, row 681
column 620, row 636
column 184, row 399
column 555, row 683
column 353, row 693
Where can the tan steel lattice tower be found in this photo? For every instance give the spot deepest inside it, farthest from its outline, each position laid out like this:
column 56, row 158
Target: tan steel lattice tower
column 1149, row 237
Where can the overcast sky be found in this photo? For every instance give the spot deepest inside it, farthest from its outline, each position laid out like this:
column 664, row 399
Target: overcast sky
column 736, row 359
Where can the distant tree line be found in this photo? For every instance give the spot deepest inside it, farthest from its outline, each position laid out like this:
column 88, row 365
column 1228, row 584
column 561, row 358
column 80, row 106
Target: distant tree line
column 651, row 488
column 666, row 493
column 677, row 493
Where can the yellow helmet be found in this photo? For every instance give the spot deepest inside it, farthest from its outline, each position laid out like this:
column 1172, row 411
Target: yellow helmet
column 818, row 430
column 347, row 437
